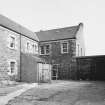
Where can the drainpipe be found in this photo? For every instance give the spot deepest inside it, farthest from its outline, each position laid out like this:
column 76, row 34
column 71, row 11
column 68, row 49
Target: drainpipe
column 78, row 49
column 20, row 54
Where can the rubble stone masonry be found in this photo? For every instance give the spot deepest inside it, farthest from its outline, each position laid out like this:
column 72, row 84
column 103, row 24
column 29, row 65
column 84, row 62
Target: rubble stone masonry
column 7, row 54
column 56, row 57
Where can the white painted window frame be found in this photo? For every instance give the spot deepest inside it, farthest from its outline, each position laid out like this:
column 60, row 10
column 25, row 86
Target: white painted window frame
column 9, row 68
column 62, row 46
column 35, row 48
column 49, row 49
column 45, row 49
column 28, row 47
column 9, row 38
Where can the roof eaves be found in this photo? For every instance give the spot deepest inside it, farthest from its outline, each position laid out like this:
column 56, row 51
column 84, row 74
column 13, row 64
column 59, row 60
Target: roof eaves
column 13, row 26
column 19, row 33
column 58, row 39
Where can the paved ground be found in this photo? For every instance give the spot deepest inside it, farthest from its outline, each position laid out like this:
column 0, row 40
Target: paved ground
column 7, row 90
column 63, row 93
column 8, row 93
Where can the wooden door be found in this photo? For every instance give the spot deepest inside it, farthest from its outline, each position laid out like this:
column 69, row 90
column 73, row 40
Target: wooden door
column 44, row 72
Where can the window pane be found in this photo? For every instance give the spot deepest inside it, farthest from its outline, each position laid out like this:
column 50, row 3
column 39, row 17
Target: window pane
column 35, row 48
column 12, row 66
column 42, row 49
column 64, row 45
column 47, row 49
column 65, row 50
column 12, row 42
column 27, row 46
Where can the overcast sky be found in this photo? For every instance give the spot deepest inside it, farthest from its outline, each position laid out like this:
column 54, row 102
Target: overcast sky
column 48, row 14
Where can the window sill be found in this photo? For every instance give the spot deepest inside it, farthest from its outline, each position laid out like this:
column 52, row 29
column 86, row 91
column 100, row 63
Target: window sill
column 64, row 52
column 11, row 74
column 12, row 48
column 44, row 54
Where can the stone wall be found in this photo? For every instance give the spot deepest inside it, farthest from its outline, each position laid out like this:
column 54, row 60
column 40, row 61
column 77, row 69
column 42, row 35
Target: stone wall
column 80, row 45
column 7, row 54
column 55, row 55
column 65, row 61
column 28, row 60
column 24, row 41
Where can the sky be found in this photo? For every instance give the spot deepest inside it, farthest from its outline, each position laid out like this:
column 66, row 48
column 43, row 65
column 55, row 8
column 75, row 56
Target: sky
column 50, row 14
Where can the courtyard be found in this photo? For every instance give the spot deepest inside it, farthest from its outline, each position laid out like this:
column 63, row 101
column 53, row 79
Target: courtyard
column 63, row 93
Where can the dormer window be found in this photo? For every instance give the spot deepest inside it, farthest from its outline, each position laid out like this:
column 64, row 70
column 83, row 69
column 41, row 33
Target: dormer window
column 64, row 47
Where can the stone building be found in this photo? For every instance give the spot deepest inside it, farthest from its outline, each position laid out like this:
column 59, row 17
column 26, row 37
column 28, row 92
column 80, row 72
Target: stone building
column 59, row 47
column 15, row 41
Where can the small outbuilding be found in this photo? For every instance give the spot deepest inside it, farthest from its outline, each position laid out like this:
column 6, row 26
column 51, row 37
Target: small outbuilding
column 91, row 67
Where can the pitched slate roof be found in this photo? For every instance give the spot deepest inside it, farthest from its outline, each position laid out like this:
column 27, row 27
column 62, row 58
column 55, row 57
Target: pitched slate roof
column 57, row 34
column 7, row 23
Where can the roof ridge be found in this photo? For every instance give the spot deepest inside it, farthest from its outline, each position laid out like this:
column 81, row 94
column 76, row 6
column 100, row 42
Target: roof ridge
column 58, row 28
column 57, row 34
